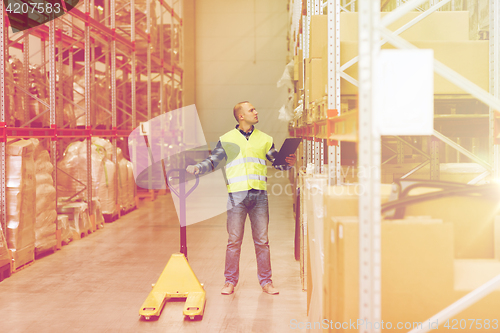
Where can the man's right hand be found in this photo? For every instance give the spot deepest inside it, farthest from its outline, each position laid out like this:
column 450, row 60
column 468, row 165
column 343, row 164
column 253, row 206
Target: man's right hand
column 193, row 169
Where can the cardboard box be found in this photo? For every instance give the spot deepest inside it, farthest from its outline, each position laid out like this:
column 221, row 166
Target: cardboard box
column 20, row 200
column 330, row 278
column 301, row 71
column 324, row 65
column 317, row 85
column 307, row 85
column 473, row 221
column 303, row 235
column 417, row 269
column 342, row 200
column 313, row 190
column 296, row 61
column 319, row 35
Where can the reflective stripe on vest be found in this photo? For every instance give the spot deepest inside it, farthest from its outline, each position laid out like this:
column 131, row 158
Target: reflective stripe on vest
column 246, row 168
column 246, row 160
column 244, row 178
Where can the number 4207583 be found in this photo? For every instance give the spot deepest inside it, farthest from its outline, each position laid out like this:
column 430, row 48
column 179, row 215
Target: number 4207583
column 37, row 7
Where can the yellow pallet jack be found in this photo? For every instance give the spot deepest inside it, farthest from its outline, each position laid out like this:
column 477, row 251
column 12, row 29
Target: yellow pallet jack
column 177, row 279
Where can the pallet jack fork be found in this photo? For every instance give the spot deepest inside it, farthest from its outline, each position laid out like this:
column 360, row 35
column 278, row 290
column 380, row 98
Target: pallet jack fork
column 177, row 279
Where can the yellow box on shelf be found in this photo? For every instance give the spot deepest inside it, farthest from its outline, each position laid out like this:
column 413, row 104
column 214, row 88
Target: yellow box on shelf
column 315, row 86
column 309, row 115
column 319, row 35
column 318, row 109
column 300, row 62
column 296, row 61
column 345, row 127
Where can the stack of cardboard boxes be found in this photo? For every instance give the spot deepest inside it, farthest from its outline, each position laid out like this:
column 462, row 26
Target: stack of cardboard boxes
column 430, row 259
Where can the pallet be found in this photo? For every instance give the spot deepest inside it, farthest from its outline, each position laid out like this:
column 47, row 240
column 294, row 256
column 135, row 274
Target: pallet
column 128, row 210
column 82, row 234
column 20, row 268
column 23, row 258
column 58, row 239
column 45, row 252
column 66, row 241
column 98, row 225
column 5, row 271
column 108, row 218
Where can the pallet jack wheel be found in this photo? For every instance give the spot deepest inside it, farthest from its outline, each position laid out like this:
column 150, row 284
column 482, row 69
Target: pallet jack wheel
column 193, row 318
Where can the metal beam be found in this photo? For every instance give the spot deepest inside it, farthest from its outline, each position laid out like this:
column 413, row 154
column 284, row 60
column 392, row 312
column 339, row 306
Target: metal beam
column 369, row 166
column 494, row 46
column 462, row 304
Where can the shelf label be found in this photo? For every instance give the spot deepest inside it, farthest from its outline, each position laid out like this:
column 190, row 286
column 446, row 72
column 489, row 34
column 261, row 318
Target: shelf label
column 144, row 128
column 404, row 92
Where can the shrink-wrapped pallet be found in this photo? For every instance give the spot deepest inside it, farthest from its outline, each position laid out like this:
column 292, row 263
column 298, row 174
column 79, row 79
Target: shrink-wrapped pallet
column 123, row 19
column 46, row 214
column 36, row 83
column 72, row 179
column 10, row 101
column 131, row 185
column 122, row 181
column 20, row 196
column 18, row 76
column 70, row 165
column 4, row 257
column 78, row 215
column 106, row 191
column 104, row 144
column 80, row 224
column 99, row 218
column 63, row 225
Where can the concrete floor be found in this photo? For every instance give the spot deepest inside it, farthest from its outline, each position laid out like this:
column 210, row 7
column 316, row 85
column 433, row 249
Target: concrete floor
column 98, row 283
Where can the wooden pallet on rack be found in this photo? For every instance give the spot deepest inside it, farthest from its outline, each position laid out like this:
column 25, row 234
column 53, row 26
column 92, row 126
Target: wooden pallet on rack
column 22, row 259
column 5, row 271
column 82, row 233
column 42, row 253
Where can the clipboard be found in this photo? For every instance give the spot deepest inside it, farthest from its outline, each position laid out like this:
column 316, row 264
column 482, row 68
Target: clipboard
column 289, row 147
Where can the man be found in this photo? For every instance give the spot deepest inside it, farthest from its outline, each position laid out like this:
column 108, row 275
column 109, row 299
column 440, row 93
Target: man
column 245, row 149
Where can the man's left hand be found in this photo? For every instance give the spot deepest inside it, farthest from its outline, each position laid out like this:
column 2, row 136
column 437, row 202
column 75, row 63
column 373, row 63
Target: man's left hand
column 291, row 159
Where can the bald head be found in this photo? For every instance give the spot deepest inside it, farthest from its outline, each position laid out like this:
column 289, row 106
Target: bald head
column 238, row 108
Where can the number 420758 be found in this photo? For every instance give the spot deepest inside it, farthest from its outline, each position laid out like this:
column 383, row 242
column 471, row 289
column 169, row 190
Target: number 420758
column 471, row 323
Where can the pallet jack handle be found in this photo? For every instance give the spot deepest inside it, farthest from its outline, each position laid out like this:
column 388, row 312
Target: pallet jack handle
column 182, row 195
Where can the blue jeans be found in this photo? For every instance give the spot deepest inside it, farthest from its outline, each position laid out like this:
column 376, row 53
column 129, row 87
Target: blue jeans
column 255, row 204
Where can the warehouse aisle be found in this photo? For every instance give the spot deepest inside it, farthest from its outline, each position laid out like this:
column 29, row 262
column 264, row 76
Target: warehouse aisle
column 98, row 284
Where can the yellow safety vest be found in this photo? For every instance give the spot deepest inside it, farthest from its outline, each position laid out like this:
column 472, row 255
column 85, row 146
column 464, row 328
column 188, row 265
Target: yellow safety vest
column 246, row 160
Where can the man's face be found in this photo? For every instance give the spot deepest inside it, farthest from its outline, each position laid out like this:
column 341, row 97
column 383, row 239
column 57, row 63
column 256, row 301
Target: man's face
column 249, row 114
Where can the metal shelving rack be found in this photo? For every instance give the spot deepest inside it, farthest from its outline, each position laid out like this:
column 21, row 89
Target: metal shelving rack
column 319, row 129
column 78, row 31
column 371, row 30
